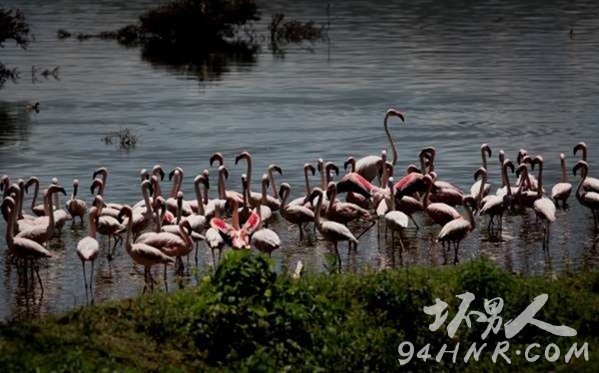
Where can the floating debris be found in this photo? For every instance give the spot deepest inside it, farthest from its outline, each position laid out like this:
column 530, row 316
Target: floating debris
column 126, row 139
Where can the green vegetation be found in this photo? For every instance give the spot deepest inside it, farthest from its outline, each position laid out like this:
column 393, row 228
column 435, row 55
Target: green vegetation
column 246, row 317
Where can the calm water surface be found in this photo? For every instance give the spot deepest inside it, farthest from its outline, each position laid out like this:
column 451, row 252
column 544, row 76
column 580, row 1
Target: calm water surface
column 514, row 76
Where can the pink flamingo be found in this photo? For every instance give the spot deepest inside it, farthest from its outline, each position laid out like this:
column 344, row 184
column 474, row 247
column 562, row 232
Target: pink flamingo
column 440, row 213
column 264, row 239
column 395, row 220
column 343, row 212
column 496, row 204
column 142, row 253
column 238, row 236
column 38, row 209
column 308, row 168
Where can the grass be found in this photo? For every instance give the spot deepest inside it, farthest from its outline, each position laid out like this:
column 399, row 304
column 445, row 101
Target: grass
column 246, row 317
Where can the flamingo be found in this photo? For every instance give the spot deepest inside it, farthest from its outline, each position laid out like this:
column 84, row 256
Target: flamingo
column 414, row 182
column 587, row 198
column 295, row 214
column 485, row 150
column 445, row 192
column 352, row 197
column 543, row 207
column 495, row 204
column 368, row 166
column 143, row 215
column 108, row 225
column 273, row 201
column 142, row 253
column 223, row 193
column 308, row 168
column 561, row 191
column 264, row 239
column 41, row 229
column 110, row 209
column 439, row 213
column 590, row 183
column 20, row 247
column 38, row 209
column 214, row 240
column 88, row 247
column 4, row 184
column 330, row 230
column 524, row 198
column 395, row 220
column 238, row 236
column 343, row 212
column 171, row 203
column 459, row 228
column 76, row 207
column 103, row 172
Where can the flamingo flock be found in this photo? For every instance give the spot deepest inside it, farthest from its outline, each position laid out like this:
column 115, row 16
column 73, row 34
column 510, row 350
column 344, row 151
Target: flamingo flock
column 162, row 229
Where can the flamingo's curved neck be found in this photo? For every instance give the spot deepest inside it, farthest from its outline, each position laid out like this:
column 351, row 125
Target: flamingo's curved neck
column 469, row 216
column 317, row 211
column 273, row 186
column 235, row 215
column 307, row 181
column 199, row 200
column 35, row 192
column 146, row 196
column 285, row 196
column 505, row 177
column 564, row 172
column 484, row 156
column 264, row 192
column 540, row 181
column 391, row 141
column 482, row 187
column 93, row 215
column 48, row 210
column 583, row 176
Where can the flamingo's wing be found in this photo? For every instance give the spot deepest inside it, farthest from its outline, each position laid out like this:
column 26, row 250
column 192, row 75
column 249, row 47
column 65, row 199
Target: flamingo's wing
column 252, row 222
column 409, row 184
column 354, row 182
column 221, row 225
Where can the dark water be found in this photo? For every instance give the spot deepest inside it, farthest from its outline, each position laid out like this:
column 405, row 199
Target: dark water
column 513, row 75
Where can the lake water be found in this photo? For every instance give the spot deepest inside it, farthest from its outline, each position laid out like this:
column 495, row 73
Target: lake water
column 516, row 75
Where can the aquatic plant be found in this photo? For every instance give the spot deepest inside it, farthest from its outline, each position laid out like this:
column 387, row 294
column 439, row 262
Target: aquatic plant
column 13, row 26
column 126, row 139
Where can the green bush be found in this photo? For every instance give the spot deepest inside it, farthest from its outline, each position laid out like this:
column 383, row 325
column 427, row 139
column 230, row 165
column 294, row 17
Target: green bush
column 245, row 317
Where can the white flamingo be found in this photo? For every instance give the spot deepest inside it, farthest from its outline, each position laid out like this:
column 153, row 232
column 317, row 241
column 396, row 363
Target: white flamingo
column 485, row 150
column 587, row 198
column 76, row 207
column 458, row 229
column 543, row 207
column 368, row 166
column 295, row 214
column 331, row 231
column 88, row 247
column 562, row 190
column 395, row 220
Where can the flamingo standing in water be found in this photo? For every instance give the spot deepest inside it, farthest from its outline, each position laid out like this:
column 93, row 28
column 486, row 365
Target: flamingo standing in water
column 561, row 191
column 440, row 213
column 330, row 230
column 458, row 229
column 368, row 166
column 590, row 183
column 587, row 198
column 496, row 204
column 38, row 209
column 308, row 168
column 76, row 207
column 395, row 220
column 23, row 248
column 142, row 253
column 485, row 150
column 88, row 247
column 295, row 214
column 544, row 207
column 214, row 240
column 264, row 239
